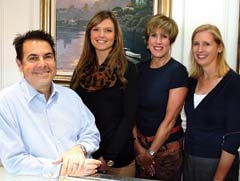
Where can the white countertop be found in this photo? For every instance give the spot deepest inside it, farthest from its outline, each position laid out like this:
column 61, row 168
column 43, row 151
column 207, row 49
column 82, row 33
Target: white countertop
column 4, row 176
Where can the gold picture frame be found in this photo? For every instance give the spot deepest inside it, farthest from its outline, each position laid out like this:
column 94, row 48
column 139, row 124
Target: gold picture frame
column 48, row 23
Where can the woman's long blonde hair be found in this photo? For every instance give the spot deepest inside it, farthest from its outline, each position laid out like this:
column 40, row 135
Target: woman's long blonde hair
column 196, row 70
column 115, row 59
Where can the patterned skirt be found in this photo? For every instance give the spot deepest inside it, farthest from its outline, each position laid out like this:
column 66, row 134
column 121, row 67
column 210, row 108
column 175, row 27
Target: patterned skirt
column 167, row 162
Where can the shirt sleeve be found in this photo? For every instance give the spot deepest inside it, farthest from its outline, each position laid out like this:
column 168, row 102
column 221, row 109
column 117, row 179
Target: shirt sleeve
column 89, row 135
column 231, row 142
column 15, row 158
column 231, row 139
column 179, row 77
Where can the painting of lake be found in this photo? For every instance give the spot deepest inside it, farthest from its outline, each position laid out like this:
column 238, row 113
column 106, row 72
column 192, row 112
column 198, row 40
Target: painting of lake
column 72, row 17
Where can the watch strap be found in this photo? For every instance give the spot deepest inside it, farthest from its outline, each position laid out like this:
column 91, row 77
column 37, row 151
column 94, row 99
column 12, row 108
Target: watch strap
column 83, row 149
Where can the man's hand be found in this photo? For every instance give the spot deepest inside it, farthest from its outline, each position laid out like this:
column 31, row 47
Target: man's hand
column 88, row 168
column 72, row 161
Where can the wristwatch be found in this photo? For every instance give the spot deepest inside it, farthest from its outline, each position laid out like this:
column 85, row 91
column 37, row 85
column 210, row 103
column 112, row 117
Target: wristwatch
column 150, row 152
column 110, row 163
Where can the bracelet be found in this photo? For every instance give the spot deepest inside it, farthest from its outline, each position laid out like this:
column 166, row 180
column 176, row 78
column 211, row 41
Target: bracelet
column 151, row 153
column 135, row 138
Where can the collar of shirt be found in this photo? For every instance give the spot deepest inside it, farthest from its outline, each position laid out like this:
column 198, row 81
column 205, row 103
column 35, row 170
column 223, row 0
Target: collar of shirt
column 32, row 93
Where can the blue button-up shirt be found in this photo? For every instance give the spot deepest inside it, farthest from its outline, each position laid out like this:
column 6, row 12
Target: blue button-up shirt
column 34, row 132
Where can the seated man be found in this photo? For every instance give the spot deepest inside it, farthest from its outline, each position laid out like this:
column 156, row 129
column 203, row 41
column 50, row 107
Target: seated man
column 45, row 129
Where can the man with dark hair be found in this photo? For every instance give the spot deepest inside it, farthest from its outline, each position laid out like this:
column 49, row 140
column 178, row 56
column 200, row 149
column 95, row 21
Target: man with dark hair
column 45, row 129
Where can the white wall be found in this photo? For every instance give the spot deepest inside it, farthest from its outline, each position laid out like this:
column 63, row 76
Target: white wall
column 191, row 13
column 16, row 16
column 19, row 16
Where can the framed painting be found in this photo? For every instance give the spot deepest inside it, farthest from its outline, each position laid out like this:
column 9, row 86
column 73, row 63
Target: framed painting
column 66, row 21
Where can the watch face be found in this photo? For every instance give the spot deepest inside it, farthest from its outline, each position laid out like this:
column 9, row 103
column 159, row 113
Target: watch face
column 110, row 163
